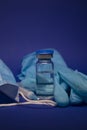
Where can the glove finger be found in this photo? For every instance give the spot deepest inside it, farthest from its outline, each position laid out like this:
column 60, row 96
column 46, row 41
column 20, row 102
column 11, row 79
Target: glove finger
column 60, row 95
column 75, row 80
column 75, row 98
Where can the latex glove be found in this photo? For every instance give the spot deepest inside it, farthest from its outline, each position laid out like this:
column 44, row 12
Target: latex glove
column 60, row 95
column 78, row 83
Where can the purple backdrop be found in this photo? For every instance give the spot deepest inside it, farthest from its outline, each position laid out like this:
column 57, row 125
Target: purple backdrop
column 28, row 26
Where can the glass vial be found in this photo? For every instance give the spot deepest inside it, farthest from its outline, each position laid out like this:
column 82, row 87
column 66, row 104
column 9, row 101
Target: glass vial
column 44, row 72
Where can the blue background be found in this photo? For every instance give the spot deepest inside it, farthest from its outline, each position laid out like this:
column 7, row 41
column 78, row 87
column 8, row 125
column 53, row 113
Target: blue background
column 26, row 26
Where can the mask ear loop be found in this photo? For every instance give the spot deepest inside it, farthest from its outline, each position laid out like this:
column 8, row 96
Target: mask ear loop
column 29, row 101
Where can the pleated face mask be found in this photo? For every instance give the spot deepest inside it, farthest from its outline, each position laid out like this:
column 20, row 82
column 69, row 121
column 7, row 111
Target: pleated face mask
column 9, row 93
column 10, row 90
column 8, row 85
column 70, row 86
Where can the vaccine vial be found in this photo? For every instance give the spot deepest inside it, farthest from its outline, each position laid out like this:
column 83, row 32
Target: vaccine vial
column 44, row 72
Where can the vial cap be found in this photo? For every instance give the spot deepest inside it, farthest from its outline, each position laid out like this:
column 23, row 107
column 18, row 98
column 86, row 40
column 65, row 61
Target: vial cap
column 49, row 52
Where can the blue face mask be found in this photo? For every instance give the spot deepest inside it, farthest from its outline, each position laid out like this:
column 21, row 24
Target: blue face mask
column 8, row 85
column 70, row 87
column 10, row 89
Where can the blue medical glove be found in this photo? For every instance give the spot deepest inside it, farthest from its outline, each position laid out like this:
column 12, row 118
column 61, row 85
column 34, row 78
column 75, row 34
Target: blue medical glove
column 75, row 98
column 74, row 81
column 60, row 95
column 78, row 83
